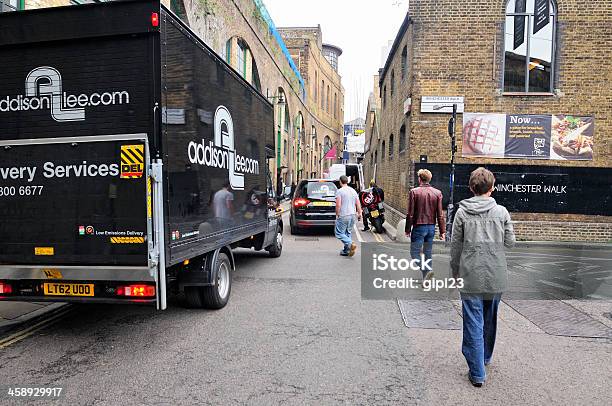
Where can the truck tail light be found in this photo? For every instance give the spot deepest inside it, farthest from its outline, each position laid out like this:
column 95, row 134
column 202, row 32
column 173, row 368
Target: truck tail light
column 155, row 19
column 5, row 288
column 300, row 202
column 135, row 290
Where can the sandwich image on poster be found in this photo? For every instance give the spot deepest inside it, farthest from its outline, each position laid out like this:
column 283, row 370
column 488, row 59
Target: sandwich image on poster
column 484, row 135
column 571, row 137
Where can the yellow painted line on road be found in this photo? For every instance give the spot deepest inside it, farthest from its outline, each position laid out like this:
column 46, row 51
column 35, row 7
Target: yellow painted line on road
column 20, row 335
column 377, row 237
column 359, row 237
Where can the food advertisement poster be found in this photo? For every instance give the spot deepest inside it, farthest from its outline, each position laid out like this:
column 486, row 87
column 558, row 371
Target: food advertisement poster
column 528, row 136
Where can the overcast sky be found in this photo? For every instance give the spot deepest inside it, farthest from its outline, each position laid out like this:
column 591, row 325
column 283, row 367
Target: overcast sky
column 360, row 27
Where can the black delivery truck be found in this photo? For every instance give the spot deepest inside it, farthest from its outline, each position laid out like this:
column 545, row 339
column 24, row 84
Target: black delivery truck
column 133, row 159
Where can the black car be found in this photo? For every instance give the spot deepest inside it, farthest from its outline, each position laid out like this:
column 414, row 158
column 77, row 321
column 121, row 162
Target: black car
column 313, row 204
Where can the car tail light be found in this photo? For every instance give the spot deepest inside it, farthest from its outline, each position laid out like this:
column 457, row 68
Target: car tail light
column 135, row 290
column 300, row 202
column 5, row 288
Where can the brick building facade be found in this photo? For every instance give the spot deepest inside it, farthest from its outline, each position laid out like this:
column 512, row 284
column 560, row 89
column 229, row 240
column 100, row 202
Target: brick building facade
column 305, row 127
column 324, row 94
column 449, row 48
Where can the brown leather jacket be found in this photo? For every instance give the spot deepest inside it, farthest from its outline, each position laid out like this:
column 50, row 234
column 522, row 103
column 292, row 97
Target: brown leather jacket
column 425, row 207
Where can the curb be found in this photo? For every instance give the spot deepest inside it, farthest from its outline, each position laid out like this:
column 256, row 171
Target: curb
column 392, row 232
column 8, row 325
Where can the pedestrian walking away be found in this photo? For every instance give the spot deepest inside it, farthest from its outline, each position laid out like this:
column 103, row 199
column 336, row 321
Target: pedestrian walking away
column 424, row 209
column 482, row 230
column 347, row 208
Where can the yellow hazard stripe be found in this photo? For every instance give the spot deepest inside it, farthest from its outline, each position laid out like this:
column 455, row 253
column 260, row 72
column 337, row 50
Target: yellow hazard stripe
column 132, row 154
column 149, row 201
column 127, row 240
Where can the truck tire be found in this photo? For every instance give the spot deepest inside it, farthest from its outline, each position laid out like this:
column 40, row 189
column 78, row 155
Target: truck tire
column 217, row 295
column 276, row 248
column 378, row 225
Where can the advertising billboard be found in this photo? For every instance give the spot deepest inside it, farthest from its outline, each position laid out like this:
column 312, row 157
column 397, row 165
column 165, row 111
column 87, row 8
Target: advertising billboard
column 562, row 137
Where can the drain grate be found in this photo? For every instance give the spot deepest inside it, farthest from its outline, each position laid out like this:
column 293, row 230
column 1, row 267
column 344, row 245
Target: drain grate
column 560, row 319
column 433, row 314
column 306, row 238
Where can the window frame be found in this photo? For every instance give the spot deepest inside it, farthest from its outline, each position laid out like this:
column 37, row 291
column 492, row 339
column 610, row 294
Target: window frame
column 404, row 62
column 529, row 16
column 403, row 126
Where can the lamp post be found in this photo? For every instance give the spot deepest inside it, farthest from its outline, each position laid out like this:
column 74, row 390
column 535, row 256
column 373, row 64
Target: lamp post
column 450, row 209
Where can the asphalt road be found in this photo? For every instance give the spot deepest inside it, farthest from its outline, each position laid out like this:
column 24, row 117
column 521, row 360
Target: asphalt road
column 295, row 332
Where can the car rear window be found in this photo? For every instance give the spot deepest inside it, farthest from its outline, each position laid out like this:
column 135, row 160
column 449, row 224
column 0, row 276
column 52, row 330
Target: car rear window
column 318, row 190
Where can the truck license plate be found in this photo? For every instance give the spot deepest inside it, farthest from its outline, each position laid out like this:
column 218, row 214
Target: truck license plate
column 69, row 289
column 374, row 213
column 321, row 203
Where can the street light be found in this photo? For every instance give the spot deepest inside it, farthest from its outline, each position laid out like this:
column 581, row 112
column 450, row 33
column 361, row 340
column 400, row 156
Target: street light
column 450, row 209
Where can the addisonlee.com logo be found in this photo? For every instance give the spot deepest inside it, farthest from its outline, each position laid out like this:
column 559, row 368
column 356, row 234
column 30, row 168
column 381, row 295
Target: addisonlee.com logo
column 222, row 153
column 43, row 91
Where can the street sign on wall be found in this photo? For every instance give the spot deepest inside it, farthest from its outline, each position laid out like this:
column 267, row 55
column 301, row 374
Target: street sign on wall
column 441, row 104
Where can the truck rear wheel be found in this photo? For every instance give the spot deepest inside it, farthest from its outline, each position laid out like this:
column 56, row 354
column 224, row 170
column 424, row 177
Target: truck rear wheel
column 276, row 248
column 217, row 295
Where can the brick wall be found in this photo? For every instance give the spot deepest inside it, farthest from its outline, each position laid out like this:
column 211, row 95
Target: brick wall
column 456, row 49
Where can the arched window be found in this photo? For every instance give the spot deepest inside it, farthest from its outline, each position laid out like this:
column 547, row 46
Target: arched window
column 391, row 147
column 315, row 86
column 402, row 138
column 238, row 54
column 299, row 126
column 375, row 156
column 327, row 144
column 404, row 62
column 382, row 151
column 529, row 46
column 384, row 96
column 335, row 105
column 255, row 76
column 322, row 94
column 327, row 100
column 392, row 82
column 287, row 120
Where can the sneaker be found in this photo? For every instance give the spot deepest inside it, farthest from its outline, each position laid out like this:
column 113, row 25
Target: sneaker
column 429, row 275
column 352, row 250
column 344, row 254
column 473, row 382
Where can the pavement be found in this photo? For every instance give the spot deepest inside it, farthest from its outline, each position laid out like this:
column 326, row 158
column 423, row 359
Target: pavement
column 295, row 332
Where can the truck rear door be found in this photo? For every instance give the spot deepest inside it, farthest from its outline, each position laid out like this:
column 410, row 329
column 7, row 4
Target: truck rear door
column 77, row 101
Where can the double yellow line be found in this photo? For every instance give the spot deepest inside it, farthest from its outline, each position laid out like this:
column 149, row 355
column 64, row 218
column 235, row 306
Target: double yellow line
column 377, row 236
column 20, row 335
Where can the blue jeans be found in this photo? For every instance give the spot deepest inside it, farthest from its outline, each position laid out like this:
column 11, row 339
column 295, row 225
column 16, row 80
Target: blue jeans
column 479, row 330
column 344, row 229
column 422, row 236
